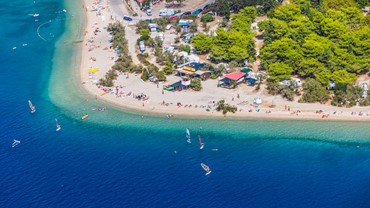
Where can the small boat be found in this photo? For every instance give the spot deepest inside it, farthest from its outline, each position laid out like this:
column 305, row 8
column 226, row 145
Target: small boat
column 215, row 150
column 32, row 107
column 188, row 135
column 57, row 125
column 15, row 143
column 24, row 44
column 34, row 15
column 146, row 98
column 206, row 168
column 14, row 48
column 85, row 117
column 104, row 93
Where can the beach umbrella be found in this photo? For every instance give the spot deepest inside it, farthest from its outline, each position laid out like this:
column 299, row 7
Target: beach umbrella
column 257, row 100
column 93, row 70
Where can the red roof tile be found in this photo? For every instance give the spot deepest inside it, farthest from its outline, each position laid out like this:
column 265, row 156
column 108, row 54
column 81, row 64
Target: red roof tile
column 235, row 75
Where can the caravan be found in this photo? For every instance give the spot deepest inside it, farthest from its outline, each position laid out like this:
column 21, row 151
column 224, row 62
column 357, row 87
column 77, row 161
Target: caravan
column 166, row 12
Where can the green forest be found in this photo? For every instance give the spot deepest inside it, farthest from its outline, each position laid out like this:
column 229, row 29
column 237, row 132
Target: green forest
column 233, row 44
column 321, row 41
column 327, row 43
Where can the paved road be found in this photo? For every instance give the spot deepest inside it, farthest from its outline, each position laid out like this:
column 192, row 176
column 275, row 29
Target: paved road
column 119, row 8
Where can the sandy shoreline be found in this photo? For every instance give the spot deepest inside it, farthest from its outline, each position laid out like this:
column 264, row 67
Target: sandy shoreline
column 96, row 53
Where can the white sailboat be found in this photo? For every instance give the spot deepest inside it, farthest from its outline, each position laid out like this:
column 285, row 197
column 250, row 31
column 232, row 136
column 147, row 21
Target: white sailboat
column 206, row 168
column 57, row 125
column 188, row 135
column 15, row 143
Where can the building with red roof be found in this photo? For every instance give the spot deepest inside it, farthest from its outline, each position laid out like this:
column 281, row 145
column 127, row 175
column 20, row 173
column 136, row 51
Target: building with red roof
column 232, row 79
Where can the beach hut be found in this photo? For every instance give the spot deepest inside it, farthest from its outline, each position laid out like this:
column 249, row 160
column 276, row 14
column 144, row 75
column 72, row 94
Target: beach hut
column 186, row 71
column 232, row 79
column 203, row 75
column 181, row 85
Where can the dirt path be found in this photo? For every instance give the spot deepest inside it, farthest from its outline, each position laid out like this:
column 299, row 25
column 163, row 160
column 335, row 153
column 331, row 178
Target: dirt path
column 118, row 8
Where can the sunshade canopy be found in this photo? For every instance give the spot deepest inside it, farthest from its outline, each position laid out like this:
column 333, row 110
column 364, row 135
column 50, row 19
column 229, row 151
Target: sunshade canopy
column 93, row 70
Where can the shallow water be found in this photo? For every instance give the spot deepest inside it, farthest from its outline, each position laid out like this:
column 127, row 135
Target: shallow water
column 117, row 159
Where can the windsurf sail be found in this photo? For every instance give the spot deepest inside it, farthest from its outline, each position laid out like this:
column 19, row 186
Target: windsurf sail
column 206, row 168
column 200, row 142
column 85, row 117
column 188, row 135
column 57, row 125
column 32, row 107
column 15, row 143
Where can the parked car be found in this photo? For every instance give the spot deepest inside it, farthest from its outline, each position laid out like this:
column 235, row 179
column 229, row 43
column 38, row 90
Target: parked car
column 149, row 12
column 142, row 46
column 172, row 17
column 196, row 12
column 127, row 18
column 186, row 13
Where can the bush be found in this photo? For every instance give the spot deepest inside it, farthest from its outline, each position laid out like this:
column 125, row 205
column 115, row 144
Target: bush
column 177, row 40
column 364, row 102
column 222, row 24
column 193, row 27
column 161, row 76
column 207, row 18
column 225, row 108
column 141, row 25
column 196, row 84
column 168, row 69
column 314, row 92
column 143, row 38
column 185, row 48
column 107, row 81
column 145, row 75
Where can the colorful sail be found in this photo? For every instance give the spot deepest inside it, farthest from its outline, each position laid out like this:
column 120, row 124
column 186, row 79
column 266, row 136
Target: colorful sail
column 32, row 107
column 206, row 168
column 200, row 142
column 85, row 117
column 188, row 135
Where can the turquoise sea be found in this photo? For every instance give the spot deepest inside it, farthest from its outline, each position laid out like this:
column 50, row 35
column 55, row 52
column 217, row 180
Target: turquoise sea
column 118, row 159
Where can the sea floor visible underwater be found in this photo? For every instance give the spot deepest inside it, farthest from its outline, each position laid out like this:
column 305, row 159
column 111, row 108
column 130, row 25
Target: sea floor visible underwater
column 118, row 159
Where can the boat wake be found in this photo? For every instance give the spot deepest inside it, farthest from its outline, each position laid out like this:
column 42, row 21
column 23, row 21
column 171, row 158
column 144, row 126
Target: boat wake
column 43, row 24
column 38, row 30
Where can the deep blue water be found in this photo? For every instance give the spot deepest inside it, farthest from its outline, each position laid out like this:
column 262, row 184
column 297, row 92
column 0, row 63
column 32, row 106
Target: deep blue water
column 87, row 164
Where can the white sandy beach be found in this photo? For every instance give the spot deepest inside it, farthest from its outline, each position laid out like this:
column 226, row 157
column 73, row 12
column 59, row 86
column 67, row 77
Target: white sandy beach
column 97, row 53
